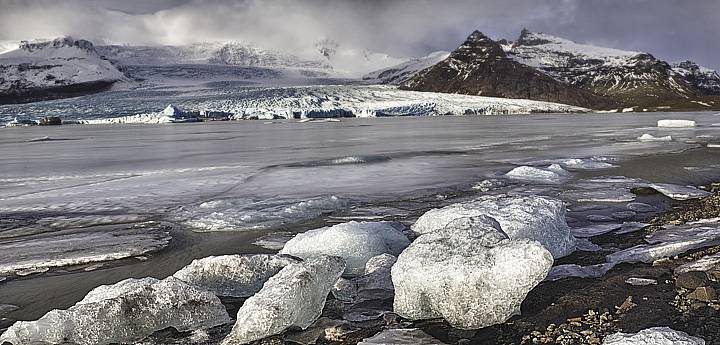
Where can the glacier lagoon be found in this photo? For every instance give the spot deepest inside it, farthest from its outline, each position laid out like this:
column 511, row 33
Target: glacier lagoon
column 215, row 188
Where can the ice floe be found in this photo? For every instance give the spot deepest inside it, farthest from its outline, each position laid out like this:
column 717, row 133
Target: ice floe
column 669, row 241
column 640, row 207
column 676, row 123
column 469, row 273
column 585, row 164
column 401, row 336
column 39, row 254
column 635, row 281
column 650, row 137
column 124, row 312
column 293, row 298
column 705, row 263
column 653, row 336
column 576, row 271
column 679, row 192
column 356, row 242
column 246, row 214
column 594, row 230
column 552, row 174
column 233, row 275
column 533, row 217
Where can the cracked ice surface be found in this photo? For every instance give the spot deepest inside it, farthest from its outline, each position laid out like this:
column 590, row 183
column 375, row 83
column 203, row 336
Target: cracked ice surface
column 124, row 312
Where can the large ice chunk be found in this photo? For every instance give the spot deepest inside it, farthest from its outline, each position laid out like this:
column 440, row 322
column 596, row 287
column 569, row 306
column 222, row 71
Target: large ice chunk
column 532, row 217
column 233, row 275
column 293, row 298
column 653, row 336
column 123, row 313
column 356, row 242
column 676, row 123
column 469, row 273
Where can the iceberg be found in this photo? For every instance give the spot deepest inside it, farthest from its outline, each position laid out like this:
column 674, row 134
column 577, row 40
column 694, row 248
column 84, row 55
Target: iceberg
column 654, row 336
column 356, row 242
column 293, row 298
column 470, row 273
column 123, row 313
column 533, row 217
column 676, row 123
column 233, row 275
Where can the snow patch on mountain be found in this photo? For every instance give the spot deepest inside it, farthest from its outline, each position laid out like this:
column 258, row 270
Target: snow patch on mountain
column 400, row 73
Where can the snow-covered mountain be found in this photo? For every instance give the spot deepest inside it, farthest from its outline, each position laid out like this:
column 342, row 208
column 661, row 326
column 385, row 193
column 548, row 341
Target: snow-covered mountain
column 225, row 53
column 705, row 79
column 604, row 71
column 603, row 78
column 47, row 69
column 400, row 73
column 480, row 66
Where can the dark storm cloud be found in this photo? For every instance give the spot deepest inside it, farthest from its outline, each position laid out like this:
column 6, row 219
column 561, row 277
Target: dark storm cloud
column 670, row 29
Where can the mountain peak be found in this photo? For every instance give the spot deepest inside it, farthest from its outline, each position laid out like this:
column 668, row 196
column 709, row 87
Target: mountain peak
column 65, row 41
column 478, row 46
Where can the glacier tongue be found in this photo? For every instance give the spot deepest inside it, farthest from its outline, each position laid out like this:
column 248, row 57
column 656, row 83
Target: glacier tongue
column 233, row 275
column 293, row 298
column 125, row 312
column 532, row 217
column 356, row 242
column 469, row 273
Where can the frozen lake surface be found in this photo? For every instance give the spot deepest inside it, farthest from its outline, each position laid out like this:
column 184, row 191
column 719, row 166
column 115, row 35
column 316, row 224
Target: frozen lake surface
column 215, row 188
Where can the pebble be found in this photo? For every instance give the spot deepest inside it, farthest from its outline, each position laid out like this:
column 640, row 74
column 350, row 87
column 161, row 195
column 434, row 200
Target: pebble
column 703, row 293
column 691, row 280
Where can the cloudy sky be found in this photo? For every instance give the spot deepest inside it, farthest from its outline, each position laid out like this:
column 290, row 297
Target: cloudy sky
column 670, row 29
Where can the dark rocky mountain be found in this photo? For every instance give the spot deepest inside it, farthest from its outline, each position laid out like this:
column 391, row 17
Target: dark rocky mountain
column 705, row 79
column 624, row 75
column 480, row 66
column 543, row 67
